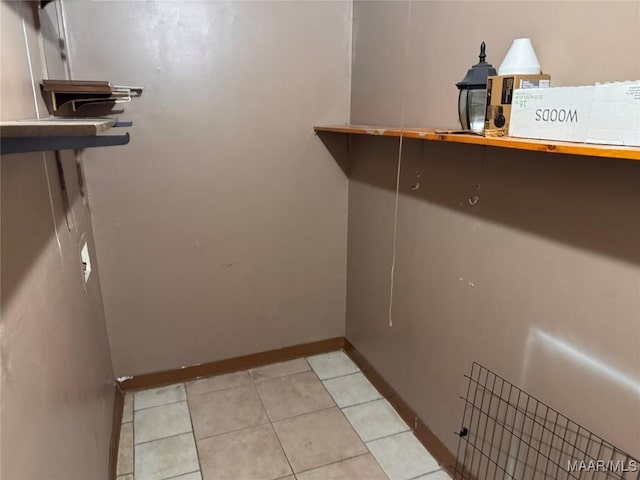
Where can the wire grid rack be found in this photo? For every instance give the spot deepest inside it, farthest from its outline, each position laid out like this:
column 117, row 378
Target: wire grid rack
column 508, row 434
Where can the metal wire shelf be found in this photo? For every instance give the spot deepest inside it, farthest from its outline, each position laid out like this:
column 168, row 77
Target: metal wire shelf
column 508, row 434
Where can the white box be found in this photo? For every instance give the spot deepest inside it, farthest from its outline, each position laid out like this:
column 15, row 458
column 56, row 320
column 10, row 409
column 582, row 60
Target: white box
column 556, row 113
column 615, row 114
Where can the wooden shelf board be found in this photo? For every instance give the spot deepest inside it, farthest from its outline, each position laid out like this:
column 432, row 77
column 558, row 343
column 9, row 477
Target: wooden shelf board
column 54, row 127
column 548, row 146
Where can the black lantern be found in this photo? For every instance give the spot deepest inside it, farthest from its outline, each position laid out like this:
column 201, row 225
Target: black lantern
column 473, row 94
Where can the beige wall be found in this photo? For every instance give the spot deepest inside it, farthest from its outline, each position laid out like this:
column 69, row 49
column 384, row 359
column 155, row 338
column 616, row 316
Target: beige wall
column 540, row 280
column 221, row 228
column 424, row 47
column 57, row 380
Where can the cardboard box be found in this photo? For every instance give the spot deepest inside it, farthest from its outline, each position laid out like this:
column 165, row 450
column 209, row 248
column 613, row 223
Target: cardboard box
column 615, row 114
column 500, row 90
column 558, row 113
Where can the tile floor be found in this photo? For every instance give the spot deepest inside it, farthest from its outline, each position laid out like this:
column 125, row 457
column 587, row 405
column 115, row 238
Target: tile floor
column 317, row 418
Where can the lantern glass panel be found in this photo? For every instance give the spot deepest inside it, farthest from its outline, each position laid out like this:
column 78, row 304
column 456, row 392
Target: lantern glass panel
column 476, row 109
column 462, row 109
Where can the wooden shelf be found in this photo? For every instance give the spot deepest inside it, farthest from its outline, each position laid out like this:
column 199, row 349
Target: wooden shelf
column 59, row 134
column 548, row 146
column 54, row 126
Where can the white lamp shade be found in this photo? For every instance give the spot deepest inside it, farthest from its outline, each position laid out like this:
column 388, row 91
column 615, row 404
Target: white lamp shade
column 520, row 59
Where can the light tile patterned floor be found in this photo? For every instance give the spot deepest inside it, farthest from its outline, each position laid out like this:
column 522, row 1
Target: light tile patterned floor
column 317, row 418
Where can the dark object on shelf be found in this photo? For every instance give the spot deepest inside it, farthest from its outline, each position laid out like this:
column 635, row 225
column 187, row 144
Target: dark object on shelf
column 473, row 94
column 508, row 434
column 59, row 134
column 85, row 98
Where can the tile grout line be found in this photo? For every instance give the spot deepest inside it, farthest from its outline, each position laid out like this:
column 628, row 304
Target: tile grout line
column 218, row 389
column 400, row 433
column 275, row 434
column 299, row 414
column 164, row 405
column 247, row 371
column 133, row 443
column 231, row 431
column 409, row 429
column 164, row 438
column 341, row 411
column 251, row 379
column 326, row 390
column 262, row 380
column 375, row 400
column 124, row 404
column 268, row 422
column 175, row 434
column 161, row 405
column 393, row 435
column 345, row 417
column 357, row 434
column 363, row 403
column 180, row 475
column 337, row 461
column 351, row 426
column 377, row 438
column 366, row 443
column 426, row 474
column 193, row 431
column 381, row 397
column 384, row 436
column 306, row 413
column 338, row 376
column 133, row 436
column 279, row 376
column 255, row 389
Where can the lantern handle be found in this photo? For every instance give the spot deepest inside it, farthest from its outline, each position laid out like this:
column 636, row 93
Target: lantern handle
column 483, row 55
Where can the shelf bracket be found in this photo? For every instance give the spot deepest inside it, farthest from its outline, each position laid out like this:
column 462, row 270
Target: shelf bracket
column 39, row 144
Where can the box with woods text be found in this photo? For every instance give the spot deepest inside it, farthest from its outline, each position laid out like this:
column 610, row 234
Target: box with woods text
column 558, row 113
column 605, row 113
